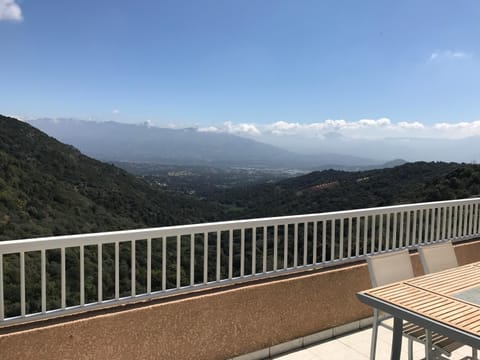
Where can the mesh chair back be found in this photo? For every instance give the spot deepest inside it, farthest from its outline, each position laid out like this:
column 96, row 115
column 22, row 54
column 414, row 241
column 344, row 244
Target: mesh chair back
column 438, row 257
column 391, row 267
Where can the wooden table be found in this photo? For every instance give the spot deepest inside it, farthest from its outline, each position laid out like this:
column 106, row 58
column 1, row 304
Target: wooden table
column 447, row 302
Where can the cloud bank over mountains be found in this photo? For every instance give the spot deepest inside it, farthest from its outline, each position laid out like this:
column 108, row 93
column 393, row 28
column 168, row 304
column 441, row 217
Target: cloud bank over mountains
column 370, row 138
column 367, row 129
column 380, row 139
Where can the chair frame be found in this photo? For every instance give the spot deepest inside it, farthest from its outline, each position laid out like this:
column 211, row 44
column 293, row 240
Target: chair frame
column 410, row 331
column 376, row 314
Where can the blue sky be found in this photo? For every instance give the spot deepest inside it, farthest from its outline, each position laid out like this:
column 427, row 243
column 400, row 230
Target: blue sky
column 233, row 64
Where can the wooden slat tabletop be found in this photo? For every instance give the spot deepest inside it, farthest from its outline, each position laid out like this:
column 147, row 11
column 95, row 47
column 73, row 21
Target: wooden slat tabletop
column 433, row 296
column 450, row 281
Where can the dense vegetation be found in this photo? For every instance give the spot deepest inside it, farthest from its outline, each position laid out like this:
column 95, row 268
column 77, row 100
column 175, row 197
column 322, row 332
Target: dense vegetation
column 248, row 193
column 49, row 188
column 333, row 190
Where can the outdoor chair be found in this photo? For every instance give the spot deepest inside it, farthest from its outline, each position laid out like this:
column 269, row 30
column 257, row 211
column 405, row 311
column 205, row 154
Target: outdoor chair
column 389, row 268
column 438, row 257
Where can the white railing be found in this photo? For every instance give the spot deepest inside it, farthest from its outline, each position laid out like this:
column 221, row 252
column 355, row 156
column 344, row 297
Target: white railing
column 47, row 277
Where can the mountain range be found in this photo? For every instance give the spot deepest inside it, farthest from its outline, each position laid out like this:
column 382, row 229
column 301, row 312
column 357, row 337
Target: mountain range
column 120, row 142
column 411, row 149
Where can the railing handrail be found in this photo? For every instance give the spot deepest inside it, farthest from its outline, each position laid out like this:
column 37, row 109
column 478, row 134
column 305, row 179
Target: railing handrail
column 179, row 259
column 53, row 242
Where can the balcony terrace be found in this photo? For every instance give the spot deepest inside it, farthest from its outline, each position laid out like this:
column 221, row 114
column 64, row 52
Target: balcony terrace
column 356, row 345
column 249, row 289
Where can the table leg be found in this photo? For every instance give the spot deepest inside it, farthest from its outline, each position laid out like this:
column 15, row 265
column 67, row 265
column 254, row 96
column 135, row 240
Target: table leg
column 397, row 338
column 428, row 345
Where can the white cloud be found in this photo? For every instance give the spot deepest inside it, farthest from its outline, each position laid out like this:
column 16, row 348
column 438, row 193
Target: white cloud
column 370, row 122
column 115, row 111
column 231, row 128
column 319, row 128
column 213, row 129
column 10, row 10
column 283, row 127
column 458, row 130
column 411, row 125
column 368, row 129
column 449, row 55
column 458, row 126
column 242, row 128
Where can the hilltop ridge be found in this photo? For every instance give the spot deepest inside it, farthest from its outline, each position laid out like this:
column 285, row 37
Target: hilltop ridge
column 334, row 190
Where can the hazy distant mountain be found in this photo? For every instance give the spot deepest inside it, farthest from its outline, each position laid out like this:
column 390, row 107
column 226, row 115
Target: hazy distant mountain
column 112, row 141
column 394, row 163
column 411, row 149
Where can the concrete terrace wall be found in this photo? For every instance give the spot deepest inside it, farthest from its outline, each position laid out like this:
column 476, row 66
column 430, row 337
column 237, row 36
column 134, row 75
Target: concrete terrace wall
column 215, row 325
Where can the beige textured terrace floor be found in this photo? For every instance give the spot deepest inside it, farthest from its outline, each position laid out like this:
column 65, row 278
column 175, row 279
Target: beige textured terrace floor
column 357, row 346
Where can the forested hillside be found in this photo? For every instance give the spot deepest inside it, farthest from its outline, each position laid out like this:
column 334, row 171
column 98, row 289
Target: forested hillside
column 333, row 190
column 49, row 188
